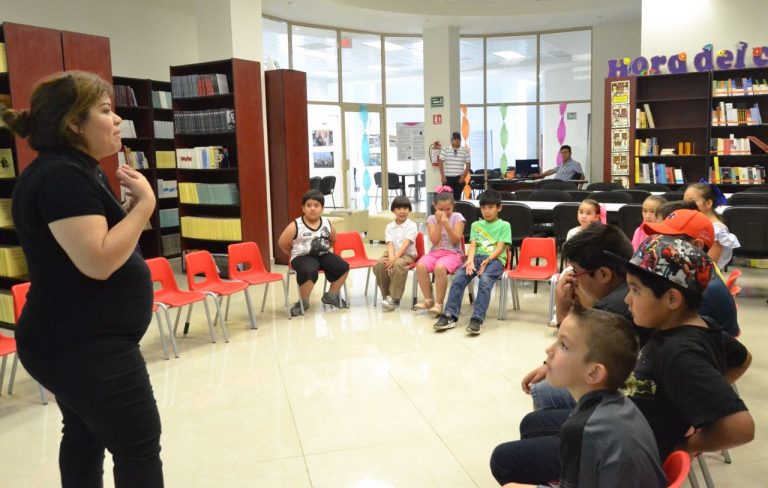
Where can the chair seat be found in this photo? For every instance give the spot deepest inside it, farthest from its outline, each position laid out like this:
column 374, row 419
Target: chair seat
column 178, row 299
column 224, row 288
column 256, row 278
column 530, row 275
column 7, row 345
column 359, row 262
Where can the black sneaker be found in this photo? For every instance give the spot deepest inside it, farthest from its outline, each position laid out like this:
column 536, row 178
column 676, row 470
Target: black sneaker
column 445, row 322
column 336, row 301
column 474, row 325
column 296, row 309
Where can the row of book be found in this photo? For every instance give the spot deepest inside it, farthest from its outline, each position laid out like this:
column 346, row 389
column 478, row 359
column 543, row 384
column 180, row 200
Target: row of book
column 644, row 118
column 124, row 96
column 214, row 121
column 3, row 59
column 6, row 307
column 134, row 159
column 685, row 148
column 658, row 173
column 202, row 157
column 170, row 244
column 739, row 86
column 165, row 159
column 167, row 188
column 211, row 228
column 163, row 129
column 162, row 99
column 731, row 114
column 209, row 193
column 730, row 146
column 647, row 147
column 6, row 218
column 12, row 261
column 169, row 217
column 7, row 168
column 737, row 175
column 199, row 85
column 127, row 129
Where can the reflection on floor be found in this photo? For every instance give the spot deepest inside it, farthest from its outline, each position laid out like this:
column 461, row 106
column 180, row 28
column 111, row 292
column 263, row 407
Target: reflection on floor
column 350, row 398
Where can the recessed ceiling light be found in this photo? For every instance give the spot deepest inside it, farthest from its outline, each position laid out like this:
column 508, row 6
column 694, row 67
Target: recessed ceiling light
column 511, row 55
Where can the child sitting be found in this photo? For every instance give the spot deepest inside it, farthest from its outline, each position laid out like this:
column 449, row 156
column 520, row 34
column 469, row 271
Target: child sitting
column 445, row 230
column 721, row 251
column 486, row 260
column 606, row 441
column 392, row 269
column 308, row 241
column 650, row 206
column 589, row 211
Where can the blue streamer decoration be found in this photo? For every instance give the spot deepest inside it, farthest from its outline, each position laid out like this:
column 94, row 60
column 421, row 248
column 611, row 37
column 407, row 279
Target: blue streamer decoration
column 365, row 155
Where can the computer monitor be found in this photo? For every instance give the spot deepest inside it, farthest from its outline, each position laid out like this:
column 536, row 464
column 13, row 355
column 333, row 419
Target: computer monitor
column 526, row 167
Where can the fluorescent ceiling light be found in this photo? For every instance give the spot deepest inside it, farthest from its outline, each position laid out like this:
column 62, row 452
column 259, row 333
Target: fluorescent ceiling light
column 388, row 46
column 511, row 55
column 581, row 57
column 313, row 53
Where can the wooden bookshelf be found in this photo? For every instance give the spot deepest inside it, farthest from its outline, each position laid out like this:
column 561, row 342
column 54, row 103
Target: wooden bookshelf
column 245, row 146
column 682, row 110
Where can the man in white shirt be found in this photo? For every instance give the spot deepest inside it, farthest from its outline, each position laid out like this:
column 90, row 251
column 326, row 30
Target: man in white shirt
column 454, row 165
column 570, row 169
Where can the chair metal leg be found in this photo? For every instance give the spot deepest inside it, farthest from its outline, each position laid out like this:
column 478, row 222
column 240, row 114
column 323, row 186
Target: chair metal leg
column 171, row 332
column 692, row 478
column 208, row 316
column 264, row 300
column 162, row 336
column 346, row 293
column 552, row 287
column 285, row 296
column 12, row 379
column 2, row 373
column 726, row 456
column 226, row 312
column 186, row 323
column 217, row 301
column 501, row 297
column 705, row 472
column 367, row 279
column 43, row 395
column 414, row 291
column 251, row 318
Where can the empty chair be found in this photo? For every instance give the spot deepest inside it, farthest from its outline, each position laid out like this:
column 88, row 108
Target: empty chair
column 651, row 187
column 327, row 186
column 314, row 183
column 421, row 182
column 548, row 195
column 507, row 195
column 638, row 196
column 470, row 213
column 351, row 241
column 169, row 295
column 520, row 218
column 556, row 184
column 394, row 183
column 202, row 263
column 578, row 195
column 611, row 197
column 676, row 468
column 494, row 173
column 673, row 196
column 752, row 189
column 630, row 217
column 750, row 225
column 533, row 248
column 757, row 199
column 565, row 216
column 604, row 186
column 8, row 344
column 523, row 195
column 245, row 264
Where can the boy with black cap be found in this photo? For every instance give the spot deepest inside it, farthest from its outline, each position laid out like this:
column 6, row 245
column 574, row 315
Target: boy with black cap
column 454, row 165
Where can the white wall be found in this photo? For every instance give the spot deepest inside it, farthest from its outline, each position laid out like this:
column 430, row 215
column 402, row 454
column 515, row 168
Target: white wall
column 671, row 27
column 146, row 36
column 609, row 41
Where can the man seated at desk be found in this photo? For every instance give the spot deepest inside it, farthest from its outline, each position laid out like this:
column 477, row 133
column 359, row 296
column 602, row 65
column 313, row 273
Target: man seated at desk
column 570, row 169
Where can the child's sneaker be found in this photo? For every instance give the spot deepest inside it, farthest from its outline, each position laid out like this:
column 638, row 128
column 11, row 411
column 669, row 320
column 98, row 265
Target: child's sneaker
column 445, row 322
column 333, row 299
column 388, row 304
column 474, row 325
column 296, row 309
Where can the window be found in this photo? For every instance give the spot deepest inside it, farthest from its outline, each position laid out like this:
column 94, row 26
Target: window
column 511, row 69
column 566, row 66
column 471, row 70
column 361, row 67
column 314, row 52
column 275, row 40
column 511, row 134
column 404, row 68
column 565, row 123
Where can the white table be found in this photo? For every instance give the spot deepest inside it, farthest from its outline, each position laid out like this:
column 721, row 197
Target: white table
column 535, row 205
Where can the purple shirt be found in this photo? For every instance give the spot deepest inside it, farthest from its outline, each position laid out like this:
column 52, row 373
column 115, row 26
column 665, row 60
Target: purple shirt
column 445, row 241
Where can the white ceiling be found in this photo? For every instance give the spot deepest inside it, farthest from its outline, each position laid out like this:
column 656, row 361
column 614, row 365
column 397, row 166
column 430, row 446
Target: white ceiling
column 471, row 16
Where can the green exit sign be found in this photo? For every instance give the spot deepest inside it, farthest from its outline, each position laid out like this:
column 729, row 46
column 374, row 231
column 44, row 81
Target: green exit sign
column 436, row 102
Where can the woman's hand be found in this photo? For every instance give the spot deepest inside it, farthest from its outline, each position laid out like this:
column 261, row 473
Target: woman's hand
column 138, row 189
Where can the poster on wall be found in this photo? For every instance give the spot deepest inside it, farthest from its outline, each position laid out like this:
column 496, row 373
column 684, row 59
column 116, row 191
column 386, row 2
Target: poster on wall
column 322, row 137
column 619, row 92
column 374, row 159
column 620, row 115
column 619, row 140
column 410, row 140
column 621, row 180
column 620, row 164
column 323, row 159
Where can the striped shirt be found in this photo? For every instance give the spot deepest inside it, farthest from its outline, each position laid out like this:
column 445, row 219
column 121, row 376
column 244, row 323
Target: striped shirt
column 454, row 160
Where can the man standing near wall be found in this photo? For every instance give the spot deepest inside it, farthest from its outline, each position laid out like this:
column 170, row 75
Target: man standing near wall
column 454, row 165
column 570, row 169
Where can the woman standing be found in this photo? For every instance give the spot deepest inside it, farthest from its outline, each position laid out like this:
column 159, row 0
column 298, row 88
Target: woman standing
column 90, row 299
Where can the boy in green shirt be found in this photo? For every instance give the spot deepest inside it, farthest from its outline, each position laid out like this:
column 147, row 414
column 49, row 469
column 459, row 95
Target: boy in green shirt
column 486, row 260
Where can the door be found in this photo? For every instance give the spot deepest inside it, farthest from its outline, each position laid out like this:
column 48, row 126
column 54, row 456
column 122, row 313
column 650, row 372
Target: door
column 364, row 156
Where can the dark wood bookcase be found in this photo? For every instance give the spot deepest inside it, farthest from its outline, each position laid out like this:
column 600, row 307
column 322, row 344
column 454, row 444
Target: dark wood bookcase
column 288, row 148
column 164, row 144
column 682, row 106
column 245, row 145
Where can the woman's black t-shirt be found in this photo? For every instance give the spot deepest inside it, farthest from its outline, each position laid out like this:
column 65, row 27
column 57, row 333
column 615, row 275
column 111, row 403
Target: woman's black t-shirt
column 66, row 310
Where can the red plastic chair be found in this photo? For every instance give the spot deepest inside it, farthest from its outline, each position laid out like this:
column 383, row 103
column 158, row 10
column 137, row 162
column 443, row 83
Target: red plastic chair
column 676, row 467
column 351, row 241
column 531, row 249
column 169, row 295
column 8, row 344
column 247, row 256
column 731, row 282
column 412, row 267
column 202, row 263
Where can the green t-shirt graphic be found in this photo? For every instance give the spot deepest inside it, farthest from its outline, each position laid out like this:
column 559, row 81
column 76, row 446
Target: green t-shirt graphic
column 487, row 234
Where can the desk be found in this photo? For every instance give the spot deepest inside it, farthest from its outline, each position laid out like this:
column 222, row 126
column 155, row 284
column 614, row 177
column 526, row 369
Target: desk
column 609, row 207
column 415, row 177
column 523, row 184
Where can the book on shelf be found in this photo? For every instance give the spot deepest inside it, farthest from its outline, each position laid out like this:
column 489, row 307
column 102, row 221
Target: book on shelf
column 6, row 218
column 199, row 85
column 124, row 96
column 7, row 314
column 647, row 147
column 213, row 121
column 7, row 168
column 3, row 59
column 211, row 228
column 163, row 129
column 167, row 188
column 649, row 116
column 127, row 129
column 203, row 157
column 161, row 99
column 739, row 87
column 738, row 175
column 169, row 217
column 12, row 261
column 209, row 193
column 730, row 146
column 661, row 173
column 134, row 159
column 165, row 159
column 170, row 244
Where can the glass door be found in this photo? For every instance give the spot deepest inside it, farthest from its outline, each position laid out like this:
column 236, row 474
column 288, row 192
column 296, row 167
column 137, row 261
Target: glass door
column 364, row 156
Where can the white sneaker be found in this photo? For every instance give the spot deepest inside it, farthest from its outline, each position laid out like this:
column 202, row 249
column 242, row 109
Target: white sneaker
column 388, row 304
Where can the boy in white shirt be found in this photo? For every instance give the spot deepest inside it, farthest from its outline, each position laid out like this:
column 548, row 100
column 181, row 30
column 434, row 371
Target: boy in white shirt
column 392, row 269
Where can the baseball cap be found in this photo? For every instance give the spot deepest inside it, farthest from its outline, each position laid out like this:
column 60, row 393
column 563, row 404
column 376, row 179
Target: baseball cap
column 672, row 259
column 455, row 135
column 692, row 223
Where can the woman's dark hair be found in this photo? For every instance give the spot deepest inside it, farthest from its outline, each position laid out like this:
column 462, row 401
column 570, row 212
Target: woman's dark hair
column 401, row 201
column 57, row 101
column 315, row 195
column 659, row 286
